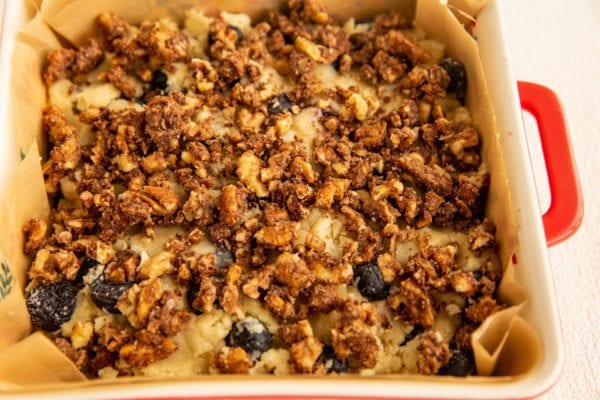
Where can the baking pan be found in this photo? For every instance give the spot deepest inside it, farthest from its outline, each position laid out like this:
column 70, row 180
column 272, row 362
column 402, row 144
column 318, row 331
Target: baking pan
column 531, row 266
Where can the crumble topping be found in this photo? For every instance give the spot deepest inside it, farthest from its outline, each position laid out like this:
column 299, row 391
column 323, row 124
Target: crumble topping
column 294, row 196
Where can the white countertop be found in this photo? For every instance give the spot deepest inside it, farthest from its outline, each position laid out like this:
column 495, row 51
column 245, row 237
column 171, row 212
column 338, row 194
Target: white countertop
column 557, row 43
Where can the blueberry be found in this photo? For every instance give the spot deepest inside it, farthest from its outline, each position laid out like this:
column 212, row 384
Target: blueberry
column 223, row 257
column 458, row 77
column 417, row 330
column 191, row 295
column 477, row 275
column 279, row 104
column 331, row 362
column 238, row 32
column 251, row 335
column 105, row 295
column 336, row 63
column 370, row 282
column 51, row 305
column 460, row 364
column 159, row 80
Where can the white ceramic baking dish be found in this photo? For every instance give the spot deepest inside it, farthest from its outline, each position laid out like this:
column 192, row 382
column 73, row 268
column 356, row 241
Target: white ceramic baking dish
column 535, row 234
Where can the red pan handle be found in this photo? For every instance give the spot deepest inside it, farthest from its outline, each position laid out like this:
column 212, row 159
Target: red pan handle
column 563, row 218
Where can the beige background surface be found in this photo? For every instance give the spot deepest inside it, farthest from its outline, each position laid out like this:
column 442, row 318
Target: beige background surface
column 557, row 43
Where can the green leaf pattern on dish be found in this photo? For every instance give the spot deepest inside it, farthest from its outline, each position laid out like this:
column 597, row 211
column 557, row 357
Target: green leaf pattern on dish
column 6, row 280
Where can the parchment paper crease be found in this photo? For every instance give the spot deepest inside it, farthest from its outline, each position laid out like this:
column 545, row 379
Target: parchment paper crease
column 505, row 344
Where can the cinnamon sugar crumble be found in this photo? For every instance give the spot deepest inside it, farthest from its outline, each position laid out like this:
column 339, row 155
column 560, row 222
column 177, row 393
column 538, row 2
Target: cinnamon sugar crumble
column 216, row 186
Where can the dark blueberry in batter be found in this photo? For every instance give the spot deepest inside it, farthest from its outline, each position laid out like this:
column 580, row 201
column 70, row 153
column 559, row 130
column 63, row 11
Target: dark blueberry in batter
column 251, row 335
column 477, row 275
column 223, row 257
column 105, row 295
column 159, row 80
column 279, row 104
column 458, row 77
column 331, row 362
column 370, row 282
column 238, row 32
column 417, row 330
column 336, row 63
column 192, row 293
column 51, row 305
column 460, row 364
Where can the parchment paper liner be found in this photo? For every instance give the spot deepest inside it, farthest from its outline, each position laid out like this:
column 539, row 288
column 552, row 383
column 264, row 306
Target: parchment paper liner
column 505, row 344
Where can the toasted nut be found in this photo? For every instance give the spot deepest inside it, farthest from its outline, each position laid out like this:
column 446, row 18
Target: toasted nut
column 157, row 265
column 279, row 235
column 248, row 172
column 81, row 333
column 232, row 205
column 309, row 48
column 162, row 200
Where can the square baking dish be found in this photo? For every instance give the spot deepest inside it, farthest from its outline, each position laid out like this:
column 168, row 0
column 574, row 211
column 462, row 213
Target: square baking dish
column 531, row 259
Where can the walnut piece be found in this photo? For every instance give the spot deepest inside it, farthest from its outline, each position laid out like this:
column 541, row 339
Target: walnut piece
column 231, row 361
column 433, row 353
column 232, row 205
column 248, row 171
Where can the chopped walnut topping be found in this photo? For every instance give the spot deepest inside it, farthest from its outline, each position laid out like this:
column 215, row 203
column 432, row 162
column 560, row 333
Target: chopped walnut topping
column 280, row 235
column 35, row 235
column 462, row 338
column 113, row 337
column 231, row 295
column 308, row 11
column 51, row 264
column 481, row 309
column 125, row 83
column 248, row 172
column 258, row 280
column 482, row 237
column 81, row 334
column 372, row 135
column 165, row 119
column 231, row 361
column 463, row 283
column 78, row 356
column 356, row 339
column 59, row 62
column 88, row 57
column 304, row 347
column 163, row 43
column 293, row 272
column 123, row 267
column 138, row 301
column 156, row 266
column 66, row 153
column 119, row 34
column 162, row 200
column 413, row 304
column 331, row 191
column 280, row 303
column 252, row 168
column 427, row 83
column 309, row 48
column 324, row 298
column 433, row 177
column 433, row 353
column 232, row 204
column 146, row 349
column 357, row 106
